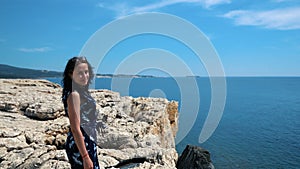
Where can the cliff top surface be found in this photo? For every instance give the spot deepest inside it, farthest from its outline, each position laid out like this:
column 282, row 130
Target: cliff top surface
column 34, row 127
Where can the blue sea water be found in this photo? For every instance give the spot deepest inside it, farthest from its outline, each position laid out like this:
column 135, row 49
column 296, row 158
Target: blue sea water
column 260, row 126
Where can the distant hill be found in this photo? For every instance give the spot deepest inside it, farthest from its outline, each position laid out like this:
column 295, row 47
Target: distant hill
column 7, row 71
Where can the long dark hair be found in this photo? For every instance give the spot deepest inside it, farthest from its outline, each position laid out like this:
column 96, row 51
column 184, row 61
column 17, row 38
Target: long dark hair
column 67, row 81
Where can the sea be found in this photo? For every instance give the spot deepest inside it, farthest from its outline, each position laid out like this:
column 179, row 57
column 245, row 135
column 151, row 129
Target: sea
column 260, row 124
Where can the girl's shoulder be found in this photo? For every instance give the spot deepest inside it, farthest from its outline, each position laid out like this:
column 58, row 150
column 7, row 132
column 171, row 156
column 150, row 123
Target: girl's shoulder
column 74, row 94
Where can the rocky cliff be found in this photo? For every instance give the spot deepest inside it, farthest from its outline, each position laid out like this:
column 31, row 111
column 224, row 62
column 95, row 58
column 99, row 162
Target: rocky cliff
column 139, row 134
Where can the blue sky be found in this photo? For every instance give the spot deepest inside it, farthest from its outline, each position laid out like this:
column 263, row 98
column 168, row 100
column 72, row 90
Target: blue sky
column 252, row 38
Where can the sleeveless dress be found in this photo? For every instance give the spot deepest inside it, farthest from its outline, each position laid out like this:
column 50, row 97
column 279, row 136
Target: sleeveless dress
column 88, row 116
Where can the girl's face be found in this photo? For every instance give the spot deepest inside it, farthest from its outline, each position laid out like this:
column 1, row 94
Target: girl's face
column 81, row 74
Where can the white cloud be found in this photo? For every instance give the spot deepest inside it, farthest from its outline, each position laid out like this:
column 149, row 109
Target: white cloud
column 281, row 19
column 161, row 4
column 123, row 8
column 42, row 49
column 209, row 3
column 120, row 8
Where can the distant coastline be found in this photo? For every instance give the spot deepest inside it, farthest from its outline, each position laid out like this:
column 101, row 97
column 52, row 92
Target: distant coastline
column 12, row 72
column 7, row 71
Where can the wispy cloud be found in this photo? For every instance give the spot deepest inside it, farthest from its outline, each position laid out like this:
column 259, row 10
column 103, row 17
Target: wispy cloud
column 161, row 4
column 119, row 8
column 281, row 19
column 210, row 3
column 42, row 49
column 123, row 8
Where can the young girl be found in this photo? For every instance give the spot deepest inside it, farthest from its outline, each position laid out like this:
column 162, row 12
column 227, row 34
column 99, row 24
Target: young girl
column 80, row 107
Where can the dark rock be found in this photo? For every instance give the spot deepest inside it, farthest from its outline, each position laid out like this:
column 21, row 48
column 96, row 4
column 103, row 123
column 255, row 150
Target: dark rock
column 194, row 157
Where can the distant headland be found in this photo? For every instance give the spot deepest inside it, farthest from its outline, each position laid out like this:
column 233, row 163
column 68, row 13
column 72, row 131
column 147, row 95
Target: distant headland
column 7, row 71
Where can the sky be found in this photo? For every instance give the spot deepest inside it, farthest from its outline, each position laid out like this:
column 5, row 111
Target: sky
column 251, row 37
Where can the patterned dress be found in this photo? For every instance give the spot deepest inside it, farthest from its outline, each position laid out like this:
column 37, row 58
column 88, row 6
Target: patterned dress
column 88, row 116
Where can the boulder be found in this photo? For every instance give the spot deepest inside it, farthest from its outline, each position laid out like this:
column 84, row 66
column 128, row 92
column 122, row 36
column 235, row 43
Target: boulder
column 194, row 157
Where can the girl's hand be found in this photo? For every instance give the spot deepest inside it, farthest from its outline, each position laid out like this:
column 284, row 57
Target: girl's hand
column 87, row 163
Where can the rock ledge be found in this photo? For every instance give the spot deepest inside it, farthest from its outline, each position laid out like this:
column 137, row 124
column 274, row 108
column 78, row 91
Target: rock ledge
column 140, row 131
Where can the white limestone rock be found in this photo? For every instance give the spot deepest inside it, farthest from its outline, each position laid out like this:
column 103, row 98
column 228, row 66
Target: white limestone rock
column 34, row 128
